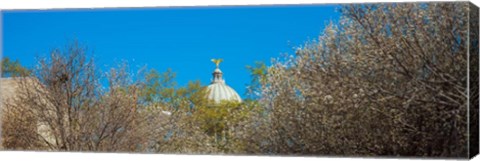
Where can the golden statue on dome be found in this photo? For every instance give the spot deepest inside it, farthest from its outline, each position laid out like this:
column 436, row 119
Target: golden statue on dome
column 217, row 62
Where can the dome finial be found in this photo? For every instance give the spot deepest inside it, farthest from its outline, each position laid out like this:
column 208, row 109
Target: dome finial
column 217, row 62
column 217, row 73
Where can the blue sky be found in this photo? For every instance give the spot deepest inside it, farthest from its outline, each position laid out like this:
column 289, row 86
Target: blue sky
column 183, row 39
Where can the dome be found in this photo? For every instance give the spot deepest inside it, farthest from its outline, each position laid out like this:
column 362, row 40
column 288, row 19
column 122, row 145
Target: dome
column 218, row 90
column 221, row 91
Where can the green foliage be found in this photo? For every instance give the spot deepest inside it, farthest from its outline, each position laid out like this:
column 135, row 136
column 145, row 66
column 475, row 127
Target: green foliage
column 13, row 68
column 226, row 123
column 214, row 118
column 258, row 74
column 159, row 87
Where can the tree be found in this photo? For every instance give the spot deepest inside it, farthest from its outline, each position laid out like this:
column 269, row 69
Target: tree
column 258, row 73
column 13, row 68
column 195, row 124
column 62, row 108
column 389, row 79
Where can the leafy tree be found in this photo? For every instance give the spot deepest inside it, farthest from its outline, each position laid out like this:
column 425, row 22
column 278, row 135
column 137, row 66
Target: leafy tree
column 196, row 124
column 159, row 87
column 13, row 68
column 258, row 73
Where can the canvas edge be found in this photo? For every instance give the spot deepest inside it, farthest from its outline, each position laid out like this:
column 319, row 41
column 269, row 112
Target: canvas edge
column 473, row 82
